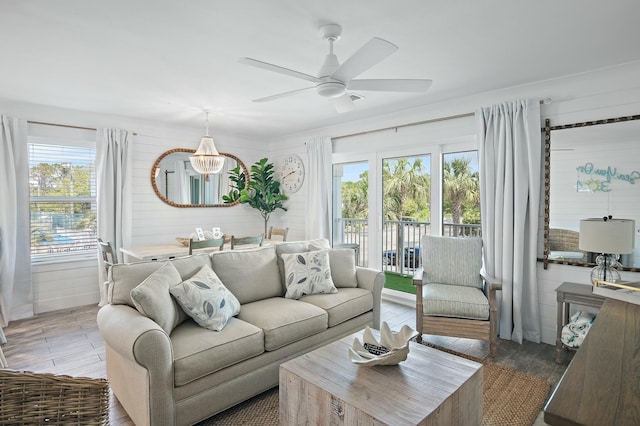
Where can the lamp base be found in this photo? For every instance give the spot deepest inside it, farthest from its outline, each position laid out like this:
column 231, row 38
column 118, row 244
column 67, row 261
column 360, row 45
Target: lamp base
column 606, row 269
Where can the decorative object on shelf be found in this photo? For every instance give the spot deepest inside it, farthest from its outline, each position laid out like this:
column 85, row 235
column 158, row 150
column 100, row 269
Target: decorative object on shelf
column 391, row 349
column 291, row 173
column 206, row 159
column 264, row 190
column 183, row 241
column 609, row 237
column 217, row 233
column 200, row 234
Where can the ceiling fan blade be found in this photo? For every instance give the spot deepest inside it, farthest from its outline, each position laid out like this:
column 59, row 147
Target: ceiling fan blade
column 282, row 95
column 374, row 51
column 391, row 85
column 280, row 70
column 343, row 103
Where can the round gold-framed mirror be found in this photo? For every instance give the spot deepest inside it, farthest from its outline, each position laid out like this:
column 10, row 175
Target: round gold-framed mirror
column 176, row 182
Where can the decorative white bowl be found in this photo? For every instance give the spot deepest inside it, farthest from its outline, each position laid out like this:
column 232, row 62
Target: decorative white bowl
column 391, row 349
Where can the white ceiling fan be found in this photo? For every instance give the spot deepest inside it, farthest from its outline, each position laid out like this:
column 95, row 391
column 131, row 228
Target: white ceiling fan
column 335, row 79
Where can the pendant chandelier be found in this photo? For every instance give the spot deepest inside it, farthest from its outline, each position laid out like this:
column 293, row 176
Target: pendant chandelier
column 206, row 159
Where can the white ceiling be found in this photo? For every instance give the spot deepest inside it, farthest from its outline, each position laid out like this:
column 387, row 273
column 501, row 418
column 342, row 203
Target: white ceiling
column 168, row 60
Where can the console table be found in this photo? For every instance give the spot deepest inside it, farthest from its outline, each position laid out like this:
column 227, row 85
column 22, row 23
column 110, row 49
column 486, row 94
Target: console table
column 602, row 383
column 566, row 294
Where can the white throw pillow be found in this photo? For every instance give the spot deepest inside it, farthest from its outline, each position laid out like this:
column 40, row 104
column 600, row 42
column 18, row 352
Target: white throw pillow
column 205, row 299
column 307, row 273
column 343, row 267
column 152, row 298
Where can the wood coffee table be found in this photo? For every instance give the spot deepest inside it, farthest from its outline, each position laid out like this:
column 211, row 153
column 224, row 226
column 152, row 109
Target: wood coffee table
column 431, row 387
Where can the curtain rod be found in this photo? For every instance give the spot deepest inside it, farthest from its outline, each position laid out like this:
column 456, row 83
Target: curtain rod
column 433, row 120
column 68, row 126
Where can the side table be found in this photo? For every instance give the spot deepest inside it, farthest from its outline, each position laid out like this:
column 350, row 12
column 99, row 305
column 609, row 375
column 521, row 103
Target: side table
column 566, row 294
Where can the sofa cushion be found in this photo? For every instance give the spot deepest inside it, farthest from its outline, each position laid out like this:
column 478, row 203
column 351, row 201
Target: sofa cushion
column 319, row 244
column 455, row 301
column 250, row 274
column 284, row 321
column 199, row 351
column 205, row 299
column 343, row 267
column 153, row 300
column 126, row 276
column 307, row 273
column 347, row 303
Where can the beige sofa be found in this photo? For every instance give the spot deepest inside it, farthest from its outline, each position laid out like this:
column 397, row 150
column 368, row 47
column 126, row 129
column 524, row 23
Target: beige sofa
column 193, row 373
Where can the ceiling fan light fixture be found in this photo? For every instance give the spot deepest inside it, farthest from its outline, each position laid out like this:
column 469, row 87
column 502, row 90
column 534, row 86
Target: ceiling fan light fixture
column 331, row 89
column 206, row 159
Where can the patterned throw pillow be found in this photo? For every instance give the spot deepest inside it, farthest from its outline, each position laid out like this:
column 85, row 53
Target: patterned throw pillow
column 307, row 273
column 205, row 299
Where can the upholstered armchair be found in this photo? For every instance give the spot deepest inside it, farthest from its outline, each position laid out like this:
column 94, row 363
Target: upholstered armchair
column 453, row 297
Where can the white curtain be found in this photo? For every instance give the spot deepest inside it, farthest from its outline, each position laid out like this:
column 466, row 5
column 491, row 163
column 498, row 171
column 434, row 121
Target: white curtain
column 510, row 154
column 15, row 256
column 318, row 224
column 114, row 187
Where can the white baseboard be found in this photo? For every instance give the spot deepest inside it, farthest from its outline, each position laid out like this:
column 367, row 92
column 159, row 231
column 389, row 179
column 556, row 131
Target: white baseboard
column 399, row 297
column 56, row 304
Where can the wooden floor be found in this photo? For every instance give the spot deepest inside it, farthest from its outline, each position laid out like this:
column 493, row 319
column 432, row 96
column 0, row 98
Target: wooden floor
column 68, row 342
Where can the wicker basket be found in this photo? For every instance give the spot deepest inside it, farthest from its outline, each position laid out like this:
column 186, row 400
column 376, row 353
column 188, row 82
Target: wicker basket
column 41, row 398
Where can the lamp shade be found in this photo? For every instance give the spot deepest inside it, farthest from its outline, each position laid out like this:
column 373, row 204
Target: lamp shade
column 206, row 159
column 607, row 236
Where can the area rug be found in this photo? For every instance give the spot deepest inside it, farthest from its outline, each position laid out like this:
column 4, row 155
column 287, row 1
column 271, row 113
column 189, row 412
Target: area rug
column 510, row 398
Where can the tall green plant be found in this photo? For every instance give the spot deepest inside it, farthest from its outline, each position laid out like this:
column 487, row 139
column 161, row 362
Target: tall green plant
column 264, row 190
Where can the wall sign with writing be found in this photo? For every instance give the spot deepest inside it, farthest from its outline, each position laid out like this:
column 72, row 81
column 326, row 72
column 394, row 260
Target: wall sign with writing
column 596, row 179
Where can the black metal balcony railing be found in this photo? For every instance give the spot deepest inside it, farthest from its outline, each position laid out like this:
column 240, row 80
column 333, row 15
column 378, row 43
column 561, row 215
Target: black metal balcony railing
column 400, row 240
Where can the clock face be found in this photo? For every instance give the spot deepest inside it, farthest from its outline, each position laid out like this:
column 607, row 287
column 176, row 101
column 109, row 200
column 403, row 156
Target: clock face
column 291, row 173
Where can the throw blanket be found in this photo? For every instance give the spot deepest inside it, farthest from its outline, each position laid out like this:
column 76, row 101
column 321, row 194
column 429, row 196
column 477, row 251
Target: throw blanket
column 576, row 330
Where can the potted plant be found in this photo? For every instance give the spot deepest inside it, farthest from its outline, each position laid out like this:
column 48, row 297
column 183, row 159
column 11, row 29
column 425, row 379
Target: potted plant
column 264, row 190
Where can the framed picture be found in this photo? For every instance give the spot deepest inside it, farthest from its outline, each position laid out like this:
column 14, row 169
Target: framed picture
column 217, row 233
column 200, row 234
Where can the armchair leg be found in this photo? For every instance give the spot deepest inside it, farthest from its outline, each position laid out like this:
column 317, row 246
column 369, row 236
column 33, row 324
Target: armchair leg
column 493, row 343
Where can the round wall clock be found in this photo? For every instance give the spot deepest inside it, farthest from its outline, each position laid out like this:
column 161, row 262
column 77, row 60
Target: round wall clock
column 291, row 173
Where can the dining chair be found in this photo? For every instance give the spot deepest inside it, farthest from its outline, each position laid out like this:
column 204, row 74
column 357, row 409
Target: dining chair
column 453, row 297
column 282, row 232
column 235, row 241
column 109, row 257
column 199, row 244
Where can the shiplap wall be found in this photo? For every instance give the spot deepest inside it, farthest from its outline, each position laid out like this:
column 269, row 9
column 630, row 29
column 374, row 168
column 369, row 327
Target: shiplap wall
column 595, row 95
column 155, row 221
column 65, row 284
column 589, row 96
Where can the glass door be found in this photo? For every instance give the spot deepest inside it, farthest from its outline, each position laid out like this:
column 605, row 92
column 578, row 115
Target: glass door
column 406, row 211
column 351, row 208
column 460, row 194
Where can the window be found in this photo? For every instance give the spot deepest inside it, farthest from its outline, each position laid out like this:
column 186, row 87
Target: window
column 461, row 194
column 62, row 189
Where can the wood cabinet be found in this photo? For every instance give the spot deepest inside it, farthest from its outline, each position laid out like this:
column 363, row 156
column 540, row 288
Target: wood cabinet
column 601, row 386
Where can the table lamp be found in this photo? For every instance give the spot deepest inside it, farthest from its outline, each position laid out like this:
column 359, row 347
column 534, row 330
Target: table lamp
column 610, row 238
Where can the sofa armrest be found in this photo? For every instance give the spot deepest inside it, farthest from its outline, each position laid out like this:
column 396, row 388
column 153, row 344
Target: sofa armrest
column 372, row 280
column 140, row 342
